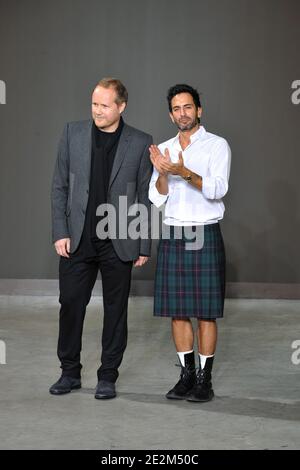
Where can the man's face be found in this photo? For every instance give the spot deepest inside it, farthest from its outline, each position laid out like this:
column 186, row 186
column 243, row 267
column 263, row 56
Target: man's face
column 105, row 111
column 184, row 112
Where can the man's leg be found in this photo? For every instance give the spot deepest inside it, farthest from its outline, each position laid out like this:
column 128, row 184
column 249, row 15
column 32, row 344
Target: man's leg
column 183, row 334
column 207, row 340
column 77, row 278
column 116, row 280
column 183, row 337
column 207, row 337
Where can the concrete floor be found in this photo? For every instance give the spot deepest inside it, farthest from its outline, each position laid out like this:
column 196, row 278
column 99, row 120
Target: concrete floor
column 256, row 384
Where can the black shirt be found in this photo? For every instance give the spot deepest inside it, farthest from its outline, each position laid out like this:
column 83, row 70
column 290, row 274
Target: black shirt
column 104, row 148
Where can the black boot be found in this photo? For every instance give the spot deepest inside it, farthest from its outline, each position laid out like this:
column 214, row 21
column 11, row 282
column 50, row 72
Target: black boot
column 187, row 379
column 202, row 391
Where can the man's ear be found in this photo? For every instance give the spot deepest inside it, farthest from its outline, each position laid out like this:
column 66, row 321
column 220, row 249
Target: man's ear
column 199, row 113
column 122, row 107
column 171, row 116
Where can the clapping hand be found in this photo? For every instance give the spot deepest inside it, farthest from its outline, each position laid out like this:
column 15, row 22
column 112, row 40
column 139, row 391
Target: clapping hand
column 157, row 159
column 164, row 164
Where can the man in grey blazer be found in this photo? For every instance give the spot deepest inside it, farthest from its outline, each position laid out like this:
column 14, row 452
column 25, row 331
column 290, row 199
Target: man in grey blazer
column 102, row 169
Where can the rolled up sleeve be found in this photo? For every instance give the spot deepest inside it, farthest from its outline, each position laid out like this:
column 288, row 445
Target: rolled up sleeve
column 155, row 197
column 215, row 185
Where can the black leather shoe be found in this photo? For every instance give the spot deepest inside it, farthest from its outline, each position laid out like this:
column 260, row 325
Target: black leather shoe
column 105, row 390
column 64, row 385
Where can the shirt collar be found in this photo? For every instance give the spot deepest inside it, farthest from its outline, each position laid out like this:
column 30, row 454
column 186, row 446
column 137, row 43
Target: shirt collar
column 198, row 135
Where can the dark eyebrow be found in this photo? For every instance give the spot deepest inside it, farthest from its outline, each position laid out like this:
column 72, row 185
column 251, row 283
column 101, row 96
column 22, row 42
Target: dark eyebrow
column 184, row 105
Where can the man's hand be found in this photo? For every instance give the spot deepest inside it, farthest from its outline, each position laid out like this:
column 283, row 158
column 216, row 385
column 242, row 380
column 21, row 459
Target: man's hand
column 63, row 247
column 140, row 261
column 173, row 168
column 157, row 158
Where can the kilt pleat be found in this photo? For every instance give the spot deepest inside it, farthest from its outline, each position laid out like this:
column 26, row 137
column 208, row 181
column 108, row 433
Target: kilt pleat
column 191, row 283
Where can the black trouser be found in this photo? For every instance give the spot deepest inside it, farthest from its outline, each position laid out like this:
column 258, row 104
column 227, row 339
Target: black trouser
column 77, row 277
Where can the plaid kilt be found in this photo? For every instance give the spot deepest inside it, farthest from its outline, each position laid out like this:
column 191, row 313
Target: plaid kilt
column 191, row 283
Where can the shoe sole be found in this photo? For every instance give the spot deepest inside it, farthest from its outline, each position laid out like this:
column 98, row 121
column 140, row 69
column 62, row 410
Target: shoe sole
column 104, row 397
column 57, row 392
column 194, row 399
column 172, row 397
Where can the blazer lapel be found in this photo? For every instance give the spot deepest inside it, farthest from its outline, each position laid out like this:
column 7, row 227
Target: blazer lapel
column 120, row 154
column 86, row 150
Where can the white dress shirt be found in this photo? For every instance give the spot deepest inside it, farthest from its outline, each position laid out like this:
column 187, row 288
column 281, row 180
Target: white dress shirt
column 209, row 156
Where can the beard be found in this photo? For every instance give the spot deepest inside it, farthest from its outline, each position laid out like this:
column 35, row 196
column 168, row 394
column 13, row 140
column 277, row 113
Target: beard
column 187, row 124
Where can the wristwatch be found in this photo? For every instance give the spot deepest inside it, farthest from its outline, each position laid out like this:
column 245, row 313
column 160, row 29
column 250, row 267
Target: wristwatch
column 188, row 177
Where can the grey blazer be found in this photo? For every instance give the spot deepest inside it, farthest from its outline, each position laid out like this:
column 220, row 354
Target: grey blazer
column 130, row 177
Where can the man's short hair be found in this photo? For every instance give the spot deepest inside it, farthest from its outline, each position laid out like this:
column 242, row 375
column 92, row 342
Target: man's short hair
column 109, row 82
column 183, row 88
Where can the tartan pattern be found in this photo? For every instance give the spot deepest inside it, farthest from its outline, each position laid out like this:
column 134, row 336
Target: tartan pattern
column 191, row 283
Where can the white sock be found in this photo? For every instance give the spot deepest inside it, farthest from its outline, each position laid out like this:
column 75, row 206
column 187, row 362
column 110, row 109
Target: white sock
column 181, row 356
column 203, row 359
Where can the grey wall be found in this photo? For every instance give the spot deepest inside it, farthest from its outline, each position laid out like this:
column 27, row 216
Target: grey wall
column 243, row 55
